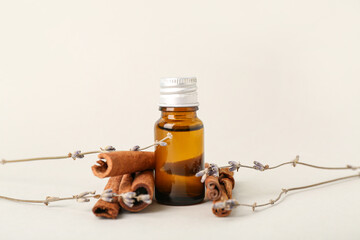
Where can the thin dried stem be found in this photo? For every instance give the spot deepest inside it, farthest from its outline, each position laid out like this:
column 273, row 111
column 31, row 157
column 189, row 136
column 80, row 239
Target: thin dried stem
column 108, row 195
column 79, row 154
column 158, row 142
column 261, row 167
column 69, row 155
column 82, row 197
column 233, row 203
column 314, row 166
column 301, row 163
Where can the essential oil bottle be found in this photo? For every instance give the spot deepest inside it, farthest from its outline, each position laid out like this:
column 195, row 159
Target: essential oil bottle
column 183, row 157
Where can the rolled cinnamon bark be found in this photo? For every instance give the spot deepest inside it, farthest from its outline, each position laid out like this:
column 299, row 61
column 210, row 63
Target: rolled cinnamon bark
column 227, row 180
column 213, row 190
column 225, row 184
column 109, row 209
column 228, row 186
column 226, row 173
column 140, row 183
column 123, row 162
column 221, row 212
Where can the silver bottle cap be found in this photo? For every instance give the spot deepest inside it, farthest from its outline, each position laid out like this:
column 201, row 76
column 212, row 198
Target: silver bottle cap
column 178, row 92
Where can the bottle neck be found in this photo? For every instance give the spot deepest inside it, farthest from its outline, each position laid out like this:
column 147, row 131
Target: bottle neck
column 178, row 112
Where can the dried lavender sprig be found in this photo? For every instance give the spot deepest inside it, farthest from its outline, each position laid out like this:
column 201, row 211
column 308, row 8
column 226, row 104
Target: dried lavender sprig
column 212, row 170
column 144, row 198
column 233, row 165
column 78, row 154
column 107, row 195
column 161, row 142
column 227, row 205
column 82, row 197
column 75, row 155
column 129, row 198
column 232, row 203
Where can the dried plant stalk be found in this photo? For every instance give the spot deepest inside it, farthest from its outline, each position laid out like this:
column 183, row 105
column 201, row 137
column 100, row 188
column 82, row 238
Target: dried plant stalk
column 230, row 204
column 214, row 170
column 79, row 154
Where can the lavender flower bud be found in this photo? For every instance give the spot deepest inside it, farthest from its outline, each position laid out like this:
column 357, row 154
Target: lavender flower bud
column 213, row 170
column 232, row 169
column 219, row 205
column 135, row 148
column 107, row 195
column 258, row 166
column 145, row 198
column 234, row 166
column 227, row 205
column 128, row 198
column 230, row 204
column 203, row 178
column 162, row 144
column 129, row 203
column 107, row 199
column 200, row 173
column 110, row 148
column 83, row 200
column 129, row 195
column 77, row 154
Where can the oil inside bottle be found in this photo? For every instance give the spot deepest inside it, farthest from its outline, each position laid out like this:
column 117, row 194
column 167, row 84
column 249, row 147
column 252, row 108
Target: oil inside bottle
column 180, row 160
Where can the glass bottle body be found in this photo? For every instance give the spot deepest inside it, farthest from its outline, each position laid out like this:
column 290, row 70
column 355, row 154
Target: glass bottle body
column 181, row 159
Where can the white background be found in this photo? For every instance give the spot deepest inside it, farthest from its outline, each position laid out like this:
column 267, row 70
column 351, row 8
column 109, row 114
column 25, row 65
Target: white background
column 276, row 79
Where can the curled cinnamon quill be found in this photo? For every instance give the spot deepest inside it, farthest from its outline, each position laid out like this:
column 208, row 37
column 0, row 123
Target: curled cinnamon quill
column 227, row 180
column 221, row 212
column 213, row 190
column 109, row 209
column 219, row 189
column 123, row 162
column 226, row 185
column 141, row 183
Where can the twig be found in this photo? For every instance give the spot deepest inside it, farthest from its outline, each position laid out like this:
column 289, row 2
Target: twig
column 213, row 169
column 108, row 195
column 69, row 155
column 229, row 204
column 261, row 167
column 158, row 142
column 82, row 197
column 78, row 154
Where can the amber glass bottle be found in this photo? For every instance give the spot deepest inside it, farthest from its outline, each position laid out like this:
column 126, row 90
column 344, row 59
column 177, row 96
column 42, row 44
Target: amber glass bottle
column 183, row 157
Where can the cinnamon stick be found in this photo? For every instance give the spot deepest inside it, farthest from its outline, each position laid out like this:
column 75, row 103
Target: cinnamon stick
column 221, row 212
column 123, row 162
column 213, row 190
column 140, row 183
column 227, row 180
column 109, row 209
column 219, row 189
